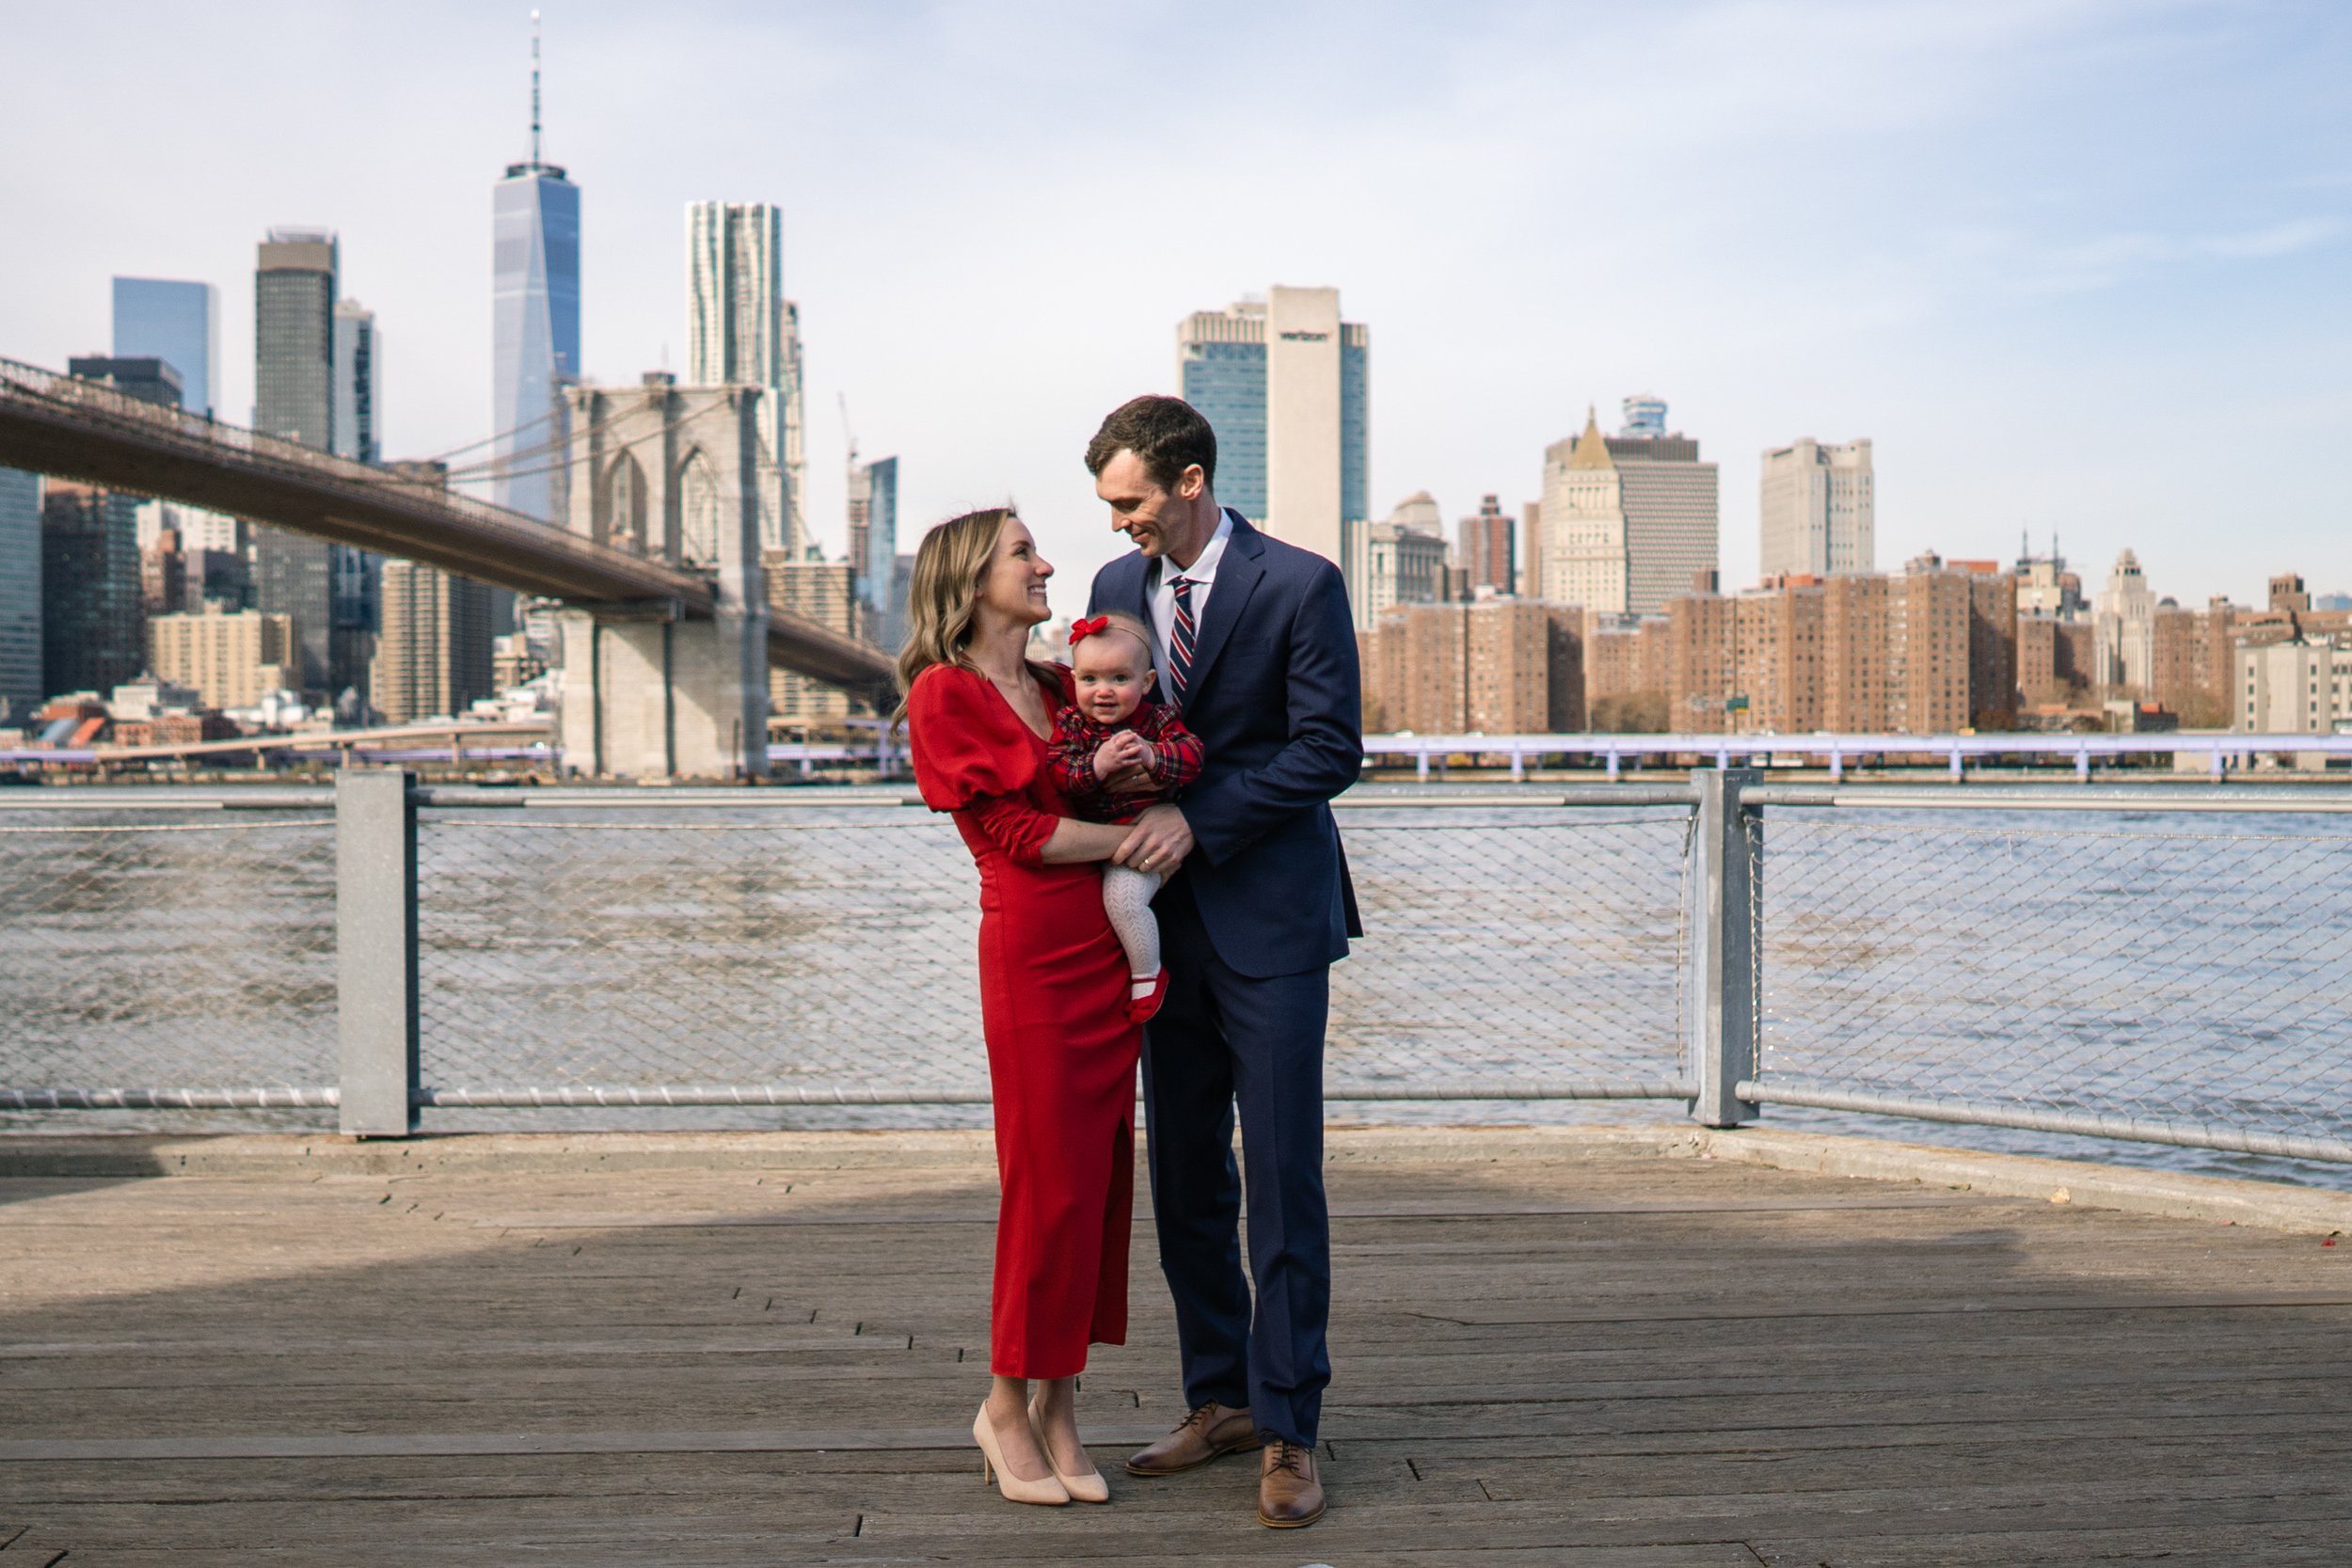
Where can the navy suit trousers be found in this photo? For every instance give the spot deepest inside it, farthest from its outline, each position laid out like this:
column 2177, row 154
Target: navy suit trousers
column 1223, row 1039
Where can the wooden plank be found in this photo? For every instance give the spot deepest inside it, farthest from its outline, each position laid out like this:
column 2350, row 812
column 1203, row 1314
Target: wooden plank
column 1628, row 1362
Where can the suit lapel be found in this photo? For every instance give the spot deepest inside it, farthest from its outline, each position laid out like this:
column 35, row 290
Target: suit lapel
column 1239, row 574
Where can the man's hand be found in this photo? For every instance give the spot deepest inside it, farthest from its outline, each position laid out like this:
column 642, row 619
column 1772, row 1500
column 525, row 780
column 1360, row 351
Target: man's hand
column 1159, row 841
column 1139, row 771
column 1133, row 779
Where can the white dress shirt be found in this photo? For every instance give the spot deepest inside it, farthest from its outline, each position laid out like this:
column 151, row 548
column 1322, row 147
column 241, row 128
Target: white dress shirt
column 1203, row 575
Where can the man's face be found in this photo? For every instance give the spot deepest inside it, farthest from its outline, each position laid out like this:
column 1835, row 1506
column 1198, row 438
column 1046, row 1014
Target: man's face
column 1143, row 509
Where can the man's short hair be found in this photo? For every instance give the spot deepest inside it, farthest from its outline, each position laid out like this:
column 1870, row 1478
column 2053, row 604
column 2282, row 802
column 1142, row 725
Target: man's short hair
column 1168, row 434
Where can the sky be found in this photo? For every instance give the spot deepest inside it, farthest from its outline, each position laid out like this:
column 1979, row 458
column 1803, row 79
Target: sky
column 2076, row 267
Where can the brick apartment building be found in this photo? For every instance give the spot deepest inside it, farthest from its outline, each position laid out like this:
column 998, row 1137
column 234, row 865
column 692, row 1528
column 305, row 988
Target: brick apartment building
column 1491, row 667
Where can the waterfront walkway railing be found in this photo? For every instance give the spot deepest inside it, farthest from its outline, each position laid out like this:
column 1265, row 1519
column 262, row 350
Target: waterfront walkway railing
column 2170, row 964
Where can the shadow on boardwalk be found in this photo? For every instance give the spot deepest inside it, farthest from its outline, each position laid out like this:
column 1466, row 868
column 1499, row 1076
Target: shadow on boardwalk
column 1591, row 1358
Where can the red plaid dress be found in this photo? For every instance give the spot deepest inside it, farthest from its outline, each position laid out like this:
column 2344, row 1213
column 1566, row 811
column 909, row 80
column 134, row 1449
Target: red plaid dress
column 1070, row 760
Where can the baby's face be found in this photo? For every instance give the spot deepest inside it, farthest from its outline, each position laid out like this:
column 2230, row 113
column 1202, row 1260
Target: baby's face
column 1112, row 670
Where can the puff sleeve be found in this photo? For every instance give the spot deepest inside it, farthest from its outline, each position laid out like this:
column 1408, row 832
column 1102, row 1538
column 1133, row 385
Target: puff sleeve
column 972, row 753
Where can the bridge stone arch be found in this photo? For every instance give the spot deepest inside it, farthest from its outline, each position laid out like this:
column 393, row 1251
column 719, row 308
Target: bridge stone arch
column 700, row 520
column 619, row 519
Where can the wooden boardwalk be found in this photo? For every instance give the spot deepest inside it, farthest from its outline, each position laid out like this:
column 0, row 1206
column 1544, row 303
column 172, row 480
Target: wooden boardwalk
column 1596, row 1358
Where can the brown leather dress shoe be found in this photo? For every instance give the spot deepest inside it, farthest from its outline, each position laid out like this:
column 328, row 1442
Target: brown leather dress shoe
column 1209, row 1433
column 1290, row 1492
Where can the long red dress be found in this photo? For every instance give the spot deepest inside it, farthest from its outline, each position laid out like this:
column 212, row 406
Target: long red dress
column 1061, row 1054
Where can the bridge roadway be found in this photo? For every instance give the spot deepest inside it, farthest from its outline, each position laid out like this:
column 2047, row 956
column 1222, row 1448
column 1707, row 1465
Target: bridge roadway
column 80, row 430
column 1552, row 1348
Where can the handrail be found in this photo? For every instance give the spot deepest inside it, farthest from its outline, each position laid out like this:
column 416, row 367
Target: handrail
column 2296, row 799
column 1991, row 743
column 2262, row 800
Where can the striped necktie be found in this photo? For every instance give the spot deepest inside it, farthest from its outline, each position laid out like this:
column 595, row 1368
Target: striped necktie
column 1180, row 641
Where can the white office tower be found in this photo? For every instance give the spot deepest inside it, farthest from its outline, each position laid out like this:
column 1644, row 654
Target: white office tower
column 1626, row 522
column 1302, row 400
column 2123, row 628
column 1285, row 383
column 1819, row 510
column 741, row 330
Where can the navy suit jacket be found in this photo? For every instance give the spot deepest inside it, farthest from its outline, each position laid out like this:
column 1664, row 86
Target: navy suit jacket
column 1276, row 698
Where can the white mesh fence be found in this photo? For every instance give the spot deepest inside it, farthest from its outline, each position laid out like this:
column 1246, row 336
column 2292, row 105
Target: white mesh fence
column 2147, row 966
column 165, row 949
column 836, row 949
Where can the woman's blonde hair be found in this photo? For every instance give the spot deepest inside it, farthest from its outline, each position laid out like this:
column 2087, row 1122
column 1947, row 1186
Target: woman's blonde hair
column 944, row 594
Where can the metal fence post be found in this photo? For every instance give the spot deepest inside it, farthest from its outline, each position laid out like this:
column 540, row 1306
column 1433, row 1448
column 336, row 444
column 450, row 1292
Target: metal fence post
column 375, row 950
column 1722, row 1000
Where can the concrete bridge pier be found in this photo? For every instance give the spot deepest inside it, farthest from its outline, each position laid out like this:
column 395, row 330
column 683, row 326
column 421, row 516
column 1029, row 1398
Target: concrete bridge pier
column 671, row 472
column 652, row 696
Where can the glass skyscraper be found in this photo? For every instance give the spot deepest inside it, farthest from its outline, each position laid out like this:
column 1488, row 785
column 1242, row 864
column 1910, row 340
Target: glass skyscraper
column 874, row 547
column 881, row 529
column 20, row 593
column 1225, row 379
column 358, row 372
column 535, row 220
column 1355, row 422
column 294, row 396
column 355, row 576
column 93, row 622
column 177, row 322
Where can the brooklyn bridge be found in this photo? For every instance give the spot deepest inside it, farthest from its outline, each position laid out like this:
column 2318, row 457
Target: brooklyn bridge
column 656, row 562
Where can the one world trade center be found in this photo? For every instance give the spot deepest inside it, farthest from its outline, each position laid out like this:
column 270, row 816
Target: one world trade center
column 535, row 315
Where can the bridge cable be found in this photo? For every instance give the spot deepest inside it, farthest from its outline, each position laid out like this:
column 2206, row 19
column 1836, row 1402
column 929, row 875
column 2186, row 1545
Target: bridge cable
column 583, row 457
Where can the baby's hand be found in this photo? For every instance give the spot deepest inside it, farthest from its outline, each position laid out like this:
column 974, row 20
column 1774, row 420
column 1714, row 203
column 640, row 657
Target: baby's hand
column 1120, row 753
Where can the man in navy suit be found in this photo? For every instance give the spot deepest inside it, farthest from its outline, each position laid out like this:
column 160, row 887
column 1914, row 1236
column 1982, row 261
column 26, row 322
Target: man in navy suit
column 1255, row 647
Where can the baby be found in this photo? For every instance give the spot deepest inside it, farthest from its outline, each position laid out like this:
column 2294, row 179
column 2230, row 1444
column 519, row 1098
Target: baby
column 1114, row 726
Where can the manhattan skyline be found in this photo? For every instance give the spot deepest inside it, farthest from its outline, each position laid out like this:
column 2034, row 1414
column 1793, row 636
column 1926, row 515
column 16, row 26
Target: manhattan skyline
column 2049, row 257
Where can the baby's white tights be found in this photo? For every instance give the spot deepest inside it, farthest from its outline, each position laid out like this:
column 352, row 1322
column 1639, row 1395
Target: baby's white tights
column 1127, row 900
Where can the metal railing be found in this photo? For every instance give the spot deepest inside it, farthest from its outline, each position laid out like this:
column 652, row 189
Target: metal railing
column 2218, row 751
column 2166, row 964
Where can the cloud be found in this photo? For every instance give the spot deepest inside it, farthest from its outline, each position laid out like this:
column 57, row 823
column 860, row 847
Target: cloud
column 2278, row 239
column 1847, row 217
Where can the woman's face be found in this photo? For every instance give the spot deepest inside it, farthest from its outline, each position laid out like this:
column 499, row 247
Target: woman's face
column 1013, row 583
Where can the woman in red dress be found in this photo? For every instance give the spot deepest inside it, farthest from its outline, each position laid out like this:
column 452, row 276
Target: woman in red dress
column 1061, row 1053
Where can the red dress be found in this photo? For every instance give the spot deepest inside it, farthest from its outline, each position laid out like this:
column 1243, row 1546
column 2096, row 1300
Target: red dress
column 1061, row 1054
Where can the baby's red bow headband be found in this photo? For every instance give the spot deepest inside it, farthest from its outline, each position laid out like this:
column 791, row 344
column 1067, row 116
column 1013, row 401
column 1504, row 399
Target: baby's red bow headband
column 1082, row 629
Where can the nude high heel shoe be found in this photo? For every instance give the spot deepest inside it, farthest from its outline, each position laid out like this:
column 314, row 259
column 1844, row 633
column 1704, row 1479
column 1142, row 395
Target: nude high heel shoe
column 1087, row 1488
column 1049, row 1491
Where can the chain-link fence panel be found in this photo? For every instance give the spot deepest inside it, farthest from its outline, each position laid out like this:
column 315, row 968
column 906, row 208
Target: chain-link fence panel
column 2195, row 971
column 145, row 950
column 1527, row 944
column 766, row 945
column 794, row 947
